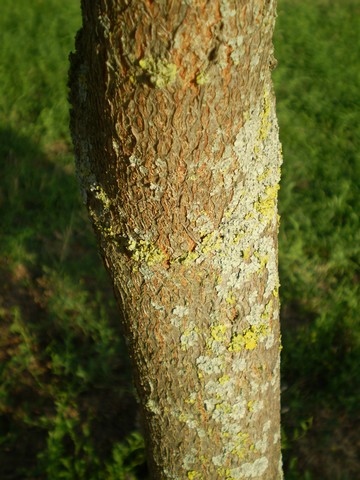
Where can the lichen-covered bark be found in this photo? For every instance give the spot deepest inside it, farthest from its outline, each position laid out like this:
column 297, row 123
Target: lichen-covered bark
column 178, row 156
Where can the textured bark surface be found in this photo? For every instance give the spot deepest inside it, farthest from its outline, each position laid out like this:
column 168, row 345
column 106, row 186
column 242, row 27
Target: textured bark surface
column 178, row 156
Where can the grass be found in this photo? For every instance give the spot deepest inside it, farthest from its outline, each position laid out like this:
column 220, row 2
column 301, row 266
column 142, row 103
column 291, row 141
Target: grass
column 67, row 408
column 65, row 380
column 317, row 86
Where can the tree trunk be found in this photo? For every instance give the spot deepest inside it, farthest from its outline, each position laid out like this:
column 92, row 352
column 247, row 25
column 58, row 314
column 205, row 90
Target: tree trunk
column 178, row 157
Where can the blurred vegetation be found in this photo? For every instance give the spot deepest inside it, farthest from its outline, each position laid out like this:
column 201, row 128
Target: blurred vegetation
column 67, row 404
column 318, row 91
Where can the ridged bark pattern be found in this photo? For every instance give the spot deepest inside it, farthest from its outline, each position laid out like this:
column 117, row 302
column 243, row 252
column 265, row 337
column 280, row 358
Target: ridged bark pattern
column 178, row 157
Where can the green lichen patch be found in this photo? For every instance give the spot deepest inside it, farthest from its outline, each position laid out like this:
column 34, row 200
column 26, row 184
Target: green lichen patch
column 209, row 244
column 268, row 310
column 248, row 338
column 143, row 251
column 161, row 73
column 241, row 446
column 101, row 195
column 194, row 475
column 263, row 259
column 190, row 336
column 202, row 78
column 267, row 205
column 218, row 332
column 187, row 258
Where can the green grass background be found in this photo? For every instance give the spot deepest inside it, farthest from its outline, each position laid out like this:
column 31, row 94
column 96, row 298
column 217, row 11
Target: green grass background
column 67, row 404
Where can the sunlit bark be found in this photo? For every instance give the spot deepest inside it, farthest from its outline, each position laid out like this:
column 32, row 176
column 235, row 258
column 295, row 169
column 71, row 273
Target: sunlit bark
column 178, row 157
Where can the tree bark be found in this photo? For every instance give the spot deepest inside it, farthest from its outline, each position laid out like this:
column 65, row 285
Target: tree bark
column 178, row 157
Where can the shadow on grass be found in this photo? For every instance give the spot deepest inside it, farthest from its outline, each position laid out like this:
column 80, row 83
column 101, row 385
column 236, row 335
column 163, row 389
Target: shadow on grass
column 320, row 417
column 66, row 395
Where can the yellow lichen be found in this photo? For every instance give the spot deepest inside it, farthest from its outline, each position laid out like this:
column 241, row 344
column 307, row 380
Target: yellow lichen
column 265, row 122
column 218, row 332
column 264, row 175
column 145, row 252
column 100, row 195
column 266, row 206
column 161, row 72
column 247, row 253
column 187, row 258
column 228, row 214
column 202, row 78
column 237, row 238
column 268, row 310
column 194, row 475
column 248, row 339
column 210, row 243
column 224, row 379
column 241, row 445
column 223, row 407
column 189, row 337
column 191, row 400
column 263, row 260
column 280, row 344
column 183, row 418
column 230, row 299
column 224, row 473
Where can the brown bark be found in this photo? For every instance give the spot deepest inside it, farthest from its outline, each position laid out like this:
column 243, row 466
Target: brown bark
column 178, row 156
